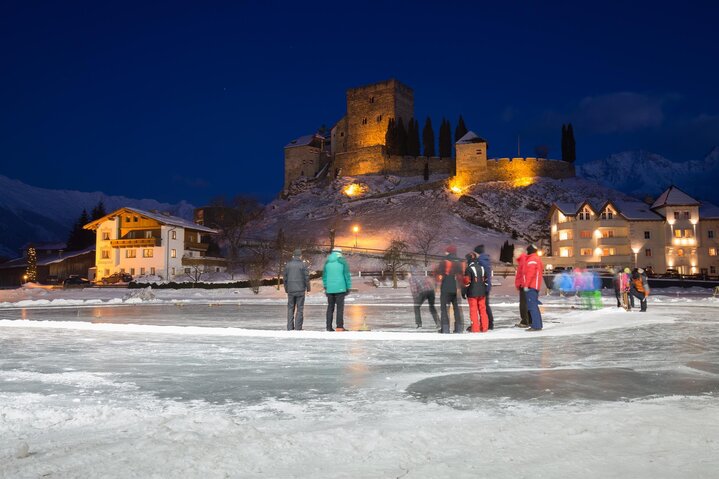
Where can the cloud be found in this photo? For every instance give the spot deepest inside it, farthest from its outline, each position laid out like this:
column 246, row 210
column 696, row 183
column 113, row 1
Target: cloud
column 619, row 112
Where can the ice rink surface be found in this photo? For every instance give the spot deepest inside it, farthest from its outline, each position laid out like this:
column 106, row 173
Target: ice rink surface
column 220, row 390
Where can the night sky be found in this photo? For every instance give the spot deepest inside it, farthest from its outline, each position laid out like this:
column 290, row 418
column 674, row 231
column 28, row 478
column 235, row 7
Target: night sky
column 189, row 101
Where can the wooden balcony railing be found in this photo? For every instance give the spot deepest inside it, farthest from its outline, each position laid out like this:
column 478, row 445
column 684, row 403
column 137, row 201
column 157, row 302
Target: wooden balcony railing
column 135, row 243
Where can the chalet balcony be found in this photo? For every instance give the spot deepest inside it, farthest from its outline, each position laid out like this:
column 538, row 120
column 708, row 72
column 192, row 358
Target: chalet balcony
column 196, row 246
column 135, row 243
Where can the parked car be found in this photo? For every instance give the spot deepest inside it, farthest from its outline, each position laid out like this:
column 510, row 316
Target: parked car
column 75, row 281
column 671, row 273
column 117, row 278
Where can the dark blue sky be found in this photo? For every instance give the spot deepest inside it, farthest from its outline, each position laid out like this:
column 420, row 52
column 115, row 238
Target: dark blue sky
column 191, row 100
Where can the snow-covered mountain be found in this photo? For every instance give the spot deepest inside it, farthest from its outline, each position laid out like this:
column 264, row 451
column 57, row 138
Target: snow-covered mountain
column 29, row 213
column 641, row 173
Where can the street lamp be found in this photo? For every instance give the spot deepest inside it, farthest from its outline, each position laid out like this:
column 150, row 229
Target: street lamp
column 355, row 230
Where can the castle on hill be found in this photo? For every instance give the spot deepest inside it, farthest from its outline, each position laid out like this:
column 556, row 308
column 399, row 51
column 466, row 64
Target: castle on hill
column 356, row 146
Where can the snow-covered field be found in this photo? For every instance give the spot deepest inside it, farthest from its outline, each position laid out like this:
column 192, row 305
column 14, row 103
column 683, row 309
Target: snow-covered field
column 118, row 383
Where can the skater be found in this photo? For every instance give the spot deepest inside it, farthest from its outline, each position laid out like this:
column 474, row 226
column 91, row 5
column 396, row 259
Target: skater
column 625, row 286
column 519, row 284
column 617, row 282
column 639, row 288
column 450, row 277
column 486, row 262
column 337, row 282
column 475, row 292
column 422, row 287
column 532, row 284
column 297, row 283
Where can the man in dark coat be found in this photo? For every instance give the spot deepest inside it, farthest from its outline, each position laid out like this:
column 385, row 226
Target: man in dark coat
column 450, row 276
column 486, row 263
column 297, row 282
column 422, row 288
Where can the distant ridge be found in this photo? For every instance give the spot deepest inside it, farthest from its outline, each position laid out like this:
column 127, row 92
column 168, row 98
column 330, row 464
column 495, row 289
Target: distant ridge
column 29, row 213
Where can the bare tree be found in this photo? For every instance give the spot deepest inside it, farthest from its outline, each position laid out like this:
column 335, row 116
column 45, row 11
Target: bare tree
column 425, row 238
column 257, row 264
column 396, row 257
column 195, row 272
column 231, row 219
column 280, row 247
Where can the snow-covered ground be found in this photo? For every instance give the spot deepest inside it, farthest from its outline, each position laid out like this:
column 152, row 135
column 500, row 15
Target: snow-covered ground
column 118, row 383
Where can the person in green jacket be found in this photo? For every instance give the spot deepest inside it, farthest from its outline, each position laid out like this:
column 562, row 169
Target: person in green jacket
column 337, row 282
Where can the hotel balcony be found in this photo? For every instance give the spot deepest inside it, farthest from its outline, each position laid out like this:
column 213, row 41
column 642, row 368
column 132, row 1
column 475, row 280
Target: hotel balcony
column 196, row 246
column 135, row 243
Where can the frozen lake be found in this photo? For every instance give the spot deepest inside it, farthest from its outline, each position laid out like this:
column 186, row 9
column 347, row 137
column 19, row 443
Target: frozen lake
column 202, row 390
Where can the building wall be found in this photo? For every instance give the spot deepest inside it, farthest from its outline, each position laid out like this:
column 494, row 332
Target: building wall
column 369, row 109
column 471, row 162
column 302, row 161
column 338, row 137
column 375, row 161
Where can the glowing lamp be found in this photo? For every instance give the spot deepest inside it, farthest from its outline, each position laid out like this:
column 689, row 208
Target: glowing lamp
column 694, row 221
column 670, row 221
column 598, row 251
column 355, row 229
column 636, row 250
column 352, row 189
column 597, row 234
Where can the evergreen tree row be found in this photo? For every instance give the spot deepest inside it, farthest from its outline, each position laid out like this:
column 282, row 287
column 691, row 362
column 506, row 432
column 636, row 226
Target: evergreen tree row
column 80, row 238
column 406, row 141
column 569, row 147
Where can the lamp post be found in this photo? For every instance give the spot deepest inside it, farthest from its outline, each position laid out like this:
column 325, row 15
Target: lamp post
column 355, row 230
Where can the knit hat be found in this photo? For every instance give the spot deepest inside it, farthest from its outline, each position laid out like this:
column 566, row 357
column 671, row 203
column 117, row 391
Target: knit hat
column 469, row 257
column 627, row 270
column 531, row 249
column 451, row 249
column 640, row 271
column 479, row 249
column 337, row 249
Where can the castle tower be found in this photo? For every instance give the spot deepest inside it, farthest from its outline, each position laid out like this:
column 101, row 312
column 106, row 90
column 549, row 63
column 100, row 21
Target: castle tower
column 471, row 159
column 369, row 109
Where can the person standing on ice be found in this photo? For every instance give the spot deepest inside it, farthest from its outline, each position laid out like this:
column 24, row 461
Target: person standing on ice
column 486, row 263
column 337, row 282
column 297, row 283
column 532, row 284
column 519, row 284
column 475, row 292
column 450, row 276
column 639, row 288
column 422, row 288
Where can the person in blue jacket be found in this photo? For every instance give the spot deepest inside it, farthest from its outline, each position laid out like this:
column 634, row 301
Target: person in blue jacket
column 337, row 282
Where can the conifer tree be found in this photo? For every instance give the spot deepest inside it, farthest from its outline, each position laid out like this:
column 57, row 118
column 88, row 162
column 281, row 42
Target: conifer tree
column 428, row 138
column 445, row 139
column 564, row 143
column 413, row 138
column 390, row 138
column 461, row 129
column 571, row 145
column 80, row 238
column 401, row 135
column 98, row 211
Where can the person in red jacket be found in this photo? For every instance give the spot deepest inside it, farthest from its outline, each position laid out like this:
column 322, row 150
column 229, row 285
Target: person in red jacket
column 532, row 283
column 519, row 284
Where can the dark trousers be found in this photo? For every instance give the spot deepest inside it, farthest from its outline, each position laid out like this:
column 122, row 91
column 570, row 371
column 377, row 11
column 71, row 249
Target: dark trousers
column 295, row 308
column 490, row 316
column 533, row 308
column 523, row 313
column 444, row 300
column 337, row 299
column 641, row 297
column 419, row 300
column 618, row 295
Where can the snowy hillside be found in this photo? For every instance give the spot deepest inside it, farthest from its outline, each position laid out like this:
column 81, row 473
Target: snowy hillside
column 28, row 213
column 641, row 173
column 489, row 213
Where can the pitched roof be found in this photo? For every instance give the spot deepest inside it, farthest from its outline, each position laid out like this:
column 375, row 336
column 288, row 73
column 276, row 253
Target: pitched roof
column 162, row 218
column 566, row 208
column 635, row 210
column 708, row 211
column 471, row 137
column 673, row 196
column 304, row 140
column 46, row 260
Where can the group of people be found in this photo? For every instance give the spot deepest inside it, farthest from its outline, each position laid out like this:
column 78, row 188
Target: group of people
column 470, row 278
column 630, row 284
column 585, row 283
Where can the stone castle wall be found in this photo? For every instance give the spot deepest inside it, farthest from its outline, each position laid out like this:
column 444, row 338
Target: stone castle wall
column 375, row 161
column 506, row 169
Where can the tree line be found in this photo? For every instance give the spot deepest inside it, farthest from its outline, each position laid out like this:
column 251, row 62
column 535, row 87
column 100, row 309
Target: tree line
column 80, row 238
column 401, row 140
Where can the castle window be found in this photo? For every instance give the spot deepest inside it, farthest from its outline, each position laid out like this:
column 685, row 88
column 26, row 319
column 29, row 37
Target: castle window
column 479, row 152
column 371, row 99
column 130, row 253
column 364, row 121
column 379, row 118
column 342, row 133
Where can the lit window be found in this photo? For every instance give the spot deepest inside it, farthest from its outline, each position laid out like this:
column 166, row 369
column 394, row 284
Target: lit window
column 173, row 253
column 688, row 233
column 147, row 253
column 148, row 234
column 647, row 235
column 648, row 252
column 585, row 251
column 680, row 252
column 105, row 254
column 608, row 234
column 608, row 252
column 174, row 235
column 105, row 235
column 565, row 235
column 712, row 251
column 565, row 252
column 677, row 233
column 130, row 253
column 585, row 234
column 585, row 214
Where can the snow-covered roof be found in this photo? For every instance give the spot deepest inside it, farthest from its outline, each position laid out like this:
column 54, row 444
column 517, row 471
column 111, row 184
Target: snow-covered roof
column 635, row 210
column 46, row 260
column 709, row 211
column 471, row 137
column 673, row 196
column 162, row 218
column 304, row 140
column 568, row 209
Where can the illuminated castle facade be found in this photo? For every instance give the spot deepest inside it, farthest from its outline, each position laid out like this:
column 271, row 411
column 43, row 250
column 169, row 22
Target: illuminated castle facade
column 356, row 146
